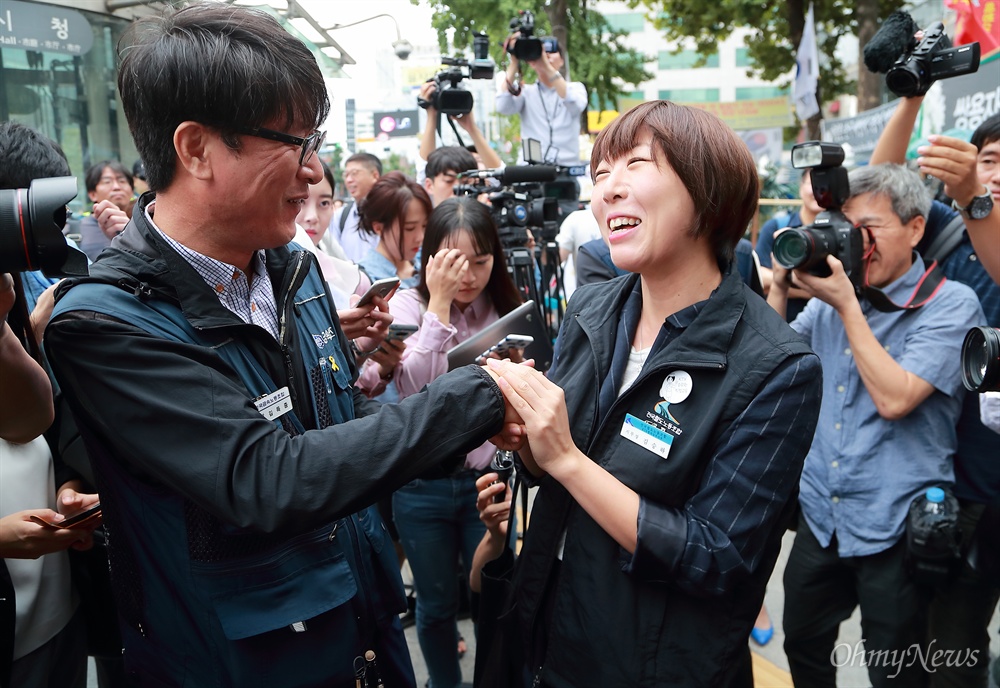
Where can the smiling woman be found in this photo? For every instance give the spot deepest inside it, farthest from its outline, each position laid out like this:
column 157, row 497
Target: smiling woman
column 646, row 558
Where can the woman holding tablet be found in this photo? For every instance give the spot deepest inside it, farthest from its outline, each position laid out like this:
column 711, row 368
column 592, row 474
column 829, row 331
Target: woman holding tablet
column 464, row 287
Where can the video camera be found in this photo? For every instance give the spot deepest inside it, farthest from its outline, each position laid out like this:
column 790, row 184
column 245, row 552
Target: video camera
column 519, row 203
column 526, row 47
column 31, row 222
column 911, row 67
column 931, row 59
column 450, row 98
column 832, row 234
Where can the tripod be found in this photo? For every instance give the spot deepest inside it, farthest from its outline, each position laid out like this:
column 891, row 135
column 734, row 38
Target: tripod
column 521, row 266
column 548, row 293
column 552, row 290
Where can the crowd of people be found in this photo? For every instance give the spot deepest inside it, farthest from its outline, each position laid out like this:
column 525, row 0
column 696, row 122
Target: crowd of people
column 266, row 438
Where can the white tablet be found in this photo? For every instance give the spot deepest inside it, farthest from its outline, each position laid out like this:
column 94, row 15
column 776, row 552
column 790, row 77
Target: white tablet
column 523, row 320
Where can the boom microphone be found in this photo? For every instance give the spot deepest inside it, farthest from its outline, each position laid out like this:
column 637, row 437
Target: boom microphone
column 894, row 37
column 516, row 174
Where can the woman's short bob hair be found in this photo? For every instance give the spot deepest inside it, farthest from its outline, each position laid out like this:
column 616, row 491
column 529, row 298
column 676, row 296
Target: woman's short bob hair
column 711, row 161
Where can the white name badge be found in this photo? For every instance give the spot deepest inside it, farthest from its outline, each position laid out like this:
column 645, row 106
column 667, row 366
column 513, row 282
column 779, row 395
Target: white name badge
column 647, row 436
column 275, row 404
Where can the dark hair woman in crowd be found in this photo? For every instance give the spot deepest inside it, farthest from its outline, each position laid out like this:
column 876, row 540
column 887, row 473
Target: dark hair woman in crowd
column 396, row 209
column 464, row 286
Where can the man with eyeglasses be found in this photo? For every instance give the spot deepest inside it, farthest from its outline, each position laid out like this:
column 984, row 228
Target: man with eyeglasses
column 109, row 188
column 212, row 384
column 346, row 236
column 892, row 394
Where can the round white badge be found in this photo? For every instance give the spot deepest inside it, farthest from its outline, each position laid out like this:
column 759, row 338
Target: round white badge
column 676, row 386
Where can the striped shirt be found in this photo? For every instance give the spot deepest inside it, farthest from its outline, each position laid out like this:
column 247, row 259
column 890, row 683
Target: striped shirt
column 249, row 297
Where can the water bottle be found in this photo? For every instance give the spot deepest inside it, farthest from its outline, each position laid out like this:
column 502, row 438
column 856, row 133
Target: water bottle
column 933, row 538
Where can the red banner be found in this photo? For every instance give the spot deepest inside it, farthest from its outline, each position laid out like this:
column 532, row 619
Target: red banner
column 977, row 21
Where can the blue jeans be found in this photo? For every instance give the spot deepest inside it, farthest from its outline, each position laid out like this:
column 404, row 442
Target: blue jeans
column 438, row 522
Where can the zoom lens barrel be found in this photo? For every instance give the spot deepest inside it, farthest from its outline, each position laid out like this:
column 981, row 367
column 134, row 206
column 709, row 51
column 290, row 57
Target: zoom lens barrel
column 981, row 359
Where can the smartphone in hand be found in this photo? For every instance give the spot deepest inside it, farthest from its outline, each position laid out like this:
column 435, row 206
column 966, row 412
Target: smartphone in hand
column 383, row 287
column 503, row 347
column 399, row 332
column 81, row 519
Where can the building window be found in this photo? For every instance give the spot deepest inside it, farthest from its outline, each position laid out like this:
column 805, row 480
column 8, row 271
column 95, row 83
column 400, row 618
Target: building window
column 627, row 22
column 625, row 100
column 760, row 92
column 743, row 58
column 71, row 98
column 691, row 95
column 684, row 60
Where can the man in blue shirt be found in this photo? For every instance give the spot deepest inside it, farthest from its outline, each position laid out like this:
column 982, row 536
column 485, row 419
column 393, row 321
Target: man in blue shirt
column 960, row 612
column 892, row 394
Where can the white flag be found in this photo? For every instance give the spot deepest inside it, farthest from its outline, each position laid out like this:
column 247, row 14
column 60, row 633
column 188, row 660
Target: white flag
column 806, row 71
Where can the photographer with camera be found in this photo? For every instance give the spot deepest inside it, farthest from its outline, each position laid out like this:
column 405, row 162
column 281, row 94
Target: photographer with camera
column 441, row 187
column 550, row 109
column 892, row 393
column 961, row 611
column 42, row 631
column 109, row 188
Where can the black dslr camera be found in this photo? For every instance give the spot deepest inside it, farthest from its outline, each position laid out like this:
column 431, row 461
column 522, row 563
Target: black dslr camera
column 931, row 59
column 31, row 222
column 832, row 234
column 526, row 47
column 450, row 97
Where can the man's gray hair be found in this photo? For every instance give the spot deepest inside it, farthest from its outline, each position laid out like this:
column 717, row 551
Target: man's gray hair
column 903, row 187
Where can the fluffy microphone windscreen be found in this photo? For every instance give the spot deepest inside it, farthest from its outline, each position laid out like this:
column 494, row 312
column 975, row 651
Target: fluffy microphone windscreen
column 893, row 38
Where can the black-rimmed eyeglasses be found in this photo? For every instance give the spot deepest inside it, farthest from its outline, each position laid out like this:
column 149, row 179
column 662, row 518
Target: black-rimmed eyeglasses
column 308, row 145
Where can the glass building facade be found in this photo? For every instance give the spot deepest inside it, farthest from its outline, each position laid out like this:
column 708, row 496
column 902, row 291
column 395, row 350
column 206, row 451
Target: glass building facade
column 58, row 76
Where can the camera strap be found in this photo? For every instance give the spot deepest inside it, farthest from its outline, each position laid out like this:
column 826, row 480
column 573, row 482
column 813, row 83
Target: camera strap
column 925, row 290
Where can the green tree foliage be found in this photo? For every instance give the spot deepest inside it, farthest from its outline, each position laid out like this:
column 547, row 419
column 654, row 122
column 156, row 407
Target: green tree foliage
column 776, row 29
column 401, row 163
column 596, row 55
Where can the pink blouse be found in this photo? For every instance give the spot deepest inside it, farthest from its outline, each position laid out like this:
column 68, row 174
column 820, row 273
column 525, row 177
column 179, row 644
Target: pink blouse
column 426, row 355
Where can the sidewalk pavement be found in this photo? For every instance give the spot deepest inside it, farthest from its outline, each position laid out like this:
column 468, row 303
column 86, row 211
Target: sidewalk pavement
column 770, row 664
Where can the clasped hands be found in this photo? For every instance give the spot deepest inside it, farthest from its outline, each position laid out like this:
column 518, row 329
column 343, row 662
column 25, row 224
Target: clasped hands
column 536, row 424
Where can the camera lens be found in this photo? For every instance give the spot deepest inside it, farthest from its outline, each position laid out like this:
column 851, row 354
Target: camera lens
column 981, row 359
column 31, row 222
column 792, row 248
column 904, row 80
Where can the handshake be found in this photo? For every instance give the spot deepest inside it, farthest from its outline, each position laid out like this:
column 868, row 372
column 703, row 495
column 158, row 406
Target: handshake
column 536, row 424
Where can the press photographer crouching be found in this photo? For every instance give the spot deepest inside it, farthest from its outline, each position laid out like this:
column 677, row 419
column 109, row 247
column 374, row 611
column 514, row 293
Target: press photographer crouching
column 892, row 395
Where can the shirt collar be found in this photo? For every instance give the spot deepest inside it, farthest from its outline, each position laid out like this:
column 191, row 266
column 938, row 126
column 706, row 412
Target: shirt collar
column 478, row 308
column 901, row 289
column 214, row 272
